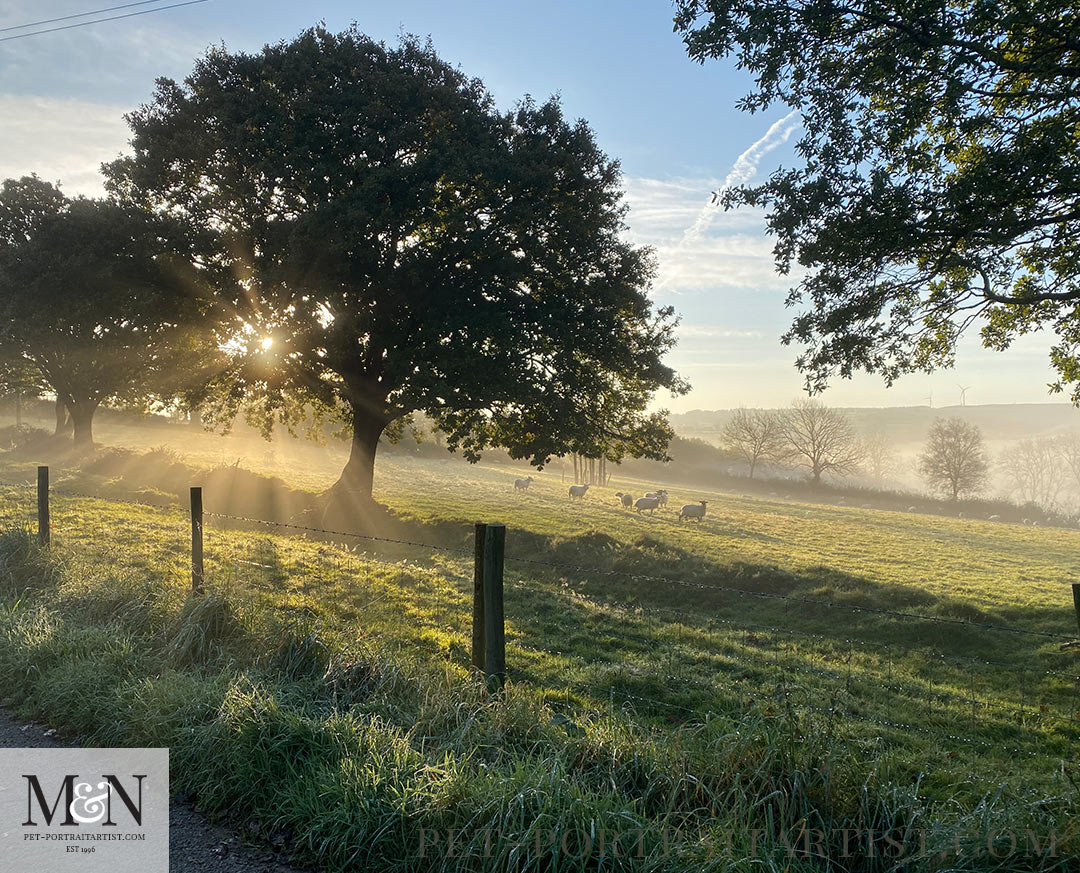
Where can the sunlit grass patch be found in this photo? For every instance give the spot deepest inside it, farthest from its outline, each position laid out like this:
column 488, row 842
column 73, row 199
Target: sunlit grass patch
column 324, row 690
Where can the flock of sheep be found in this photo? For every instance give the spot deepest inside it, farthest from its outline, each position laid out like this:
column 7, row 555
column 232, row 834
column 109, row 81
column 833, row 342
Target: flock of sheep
column 650, row 502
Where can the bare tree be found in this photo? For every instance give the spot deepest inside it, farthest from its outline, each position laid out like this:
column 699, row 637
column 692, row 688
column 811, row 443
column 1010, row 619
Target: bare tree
column 820, row 439
column 1036, row 470
column 1069, row 447
column 879, row 455
column 755, row 436
column 954, row 460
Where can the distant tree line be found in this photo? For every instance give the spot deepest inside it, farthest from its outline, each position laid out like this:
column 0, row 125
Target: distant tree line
column 808, row 435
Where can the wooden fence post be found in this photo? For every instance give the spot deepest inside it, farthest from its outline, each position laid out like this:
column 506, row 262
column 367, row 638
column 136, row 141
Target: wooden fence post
column 43, row 523
column 1076, row 601
column 478, row 597
column 494, row 632
column 198, row 576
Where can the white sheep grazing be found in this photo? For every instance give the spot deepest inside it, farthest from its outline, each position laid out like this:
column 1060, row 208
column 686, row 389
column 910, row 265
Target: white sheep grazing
column 523, row 484
column 659, row 494
column 578, row 491
column 649, row 503
column 627, row 500
column 693, row 510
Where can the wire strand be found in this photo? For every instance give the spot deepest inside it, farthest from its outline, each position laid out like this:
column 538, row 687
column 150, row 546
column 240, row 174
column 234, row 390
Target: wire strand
column 101, row 20
column 76, row 15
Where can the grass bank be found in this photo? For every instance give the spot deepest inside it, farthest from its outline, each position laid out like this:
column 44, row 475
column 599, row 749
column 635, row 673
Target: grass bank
column 321, row 693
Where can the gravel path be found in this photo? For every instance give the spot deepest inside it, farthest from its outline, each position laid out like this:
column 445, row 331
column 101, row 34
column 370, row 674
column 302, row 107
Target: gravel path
column 195, row 845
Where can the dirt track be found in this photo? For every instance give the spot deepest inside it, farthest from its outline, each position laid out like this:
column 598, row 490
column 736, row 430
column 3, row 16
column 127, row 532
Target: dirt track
column 195, row 845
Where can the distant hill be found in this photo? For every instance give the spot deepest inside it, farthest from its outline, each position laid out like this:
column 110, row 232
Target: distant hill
column 999, row 422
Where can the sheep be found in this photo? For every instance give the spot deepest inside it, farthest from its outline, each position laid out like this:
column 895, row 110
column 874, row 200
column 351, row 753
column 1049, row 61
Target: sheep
column 646, row 502
column 994, row 518
column 523, row 484
column 627, row 500
column 693, row 510
column 913, row 509
column 661, row 496
column 578, row 491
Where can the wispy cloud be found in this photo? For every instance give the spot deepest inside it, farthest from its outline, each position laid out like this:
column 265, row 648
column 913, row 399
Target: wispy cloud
column 716, row 331
column 702, row 247
column 62, row 141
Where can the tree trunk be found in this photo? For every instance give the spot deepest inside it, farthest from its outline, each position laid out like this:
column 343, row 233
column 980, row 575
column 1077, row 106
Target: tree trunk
column 82, row 416
column 359, row 473
column 350, row 506
column 63, row 422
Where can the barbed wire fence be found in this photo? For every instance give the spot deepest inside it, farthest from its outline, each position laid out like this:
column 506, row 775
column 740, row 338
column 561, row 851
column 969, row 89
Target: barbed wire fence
column 661, row 661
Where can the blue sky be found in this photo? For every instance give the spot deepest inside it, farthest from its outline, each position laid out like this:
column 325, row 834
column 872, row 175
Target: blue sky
column 671, row 122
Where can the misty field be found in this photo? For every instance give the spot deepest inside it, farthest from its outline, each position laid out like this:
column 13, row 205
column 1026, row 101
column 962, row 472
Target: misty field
column 780, row 665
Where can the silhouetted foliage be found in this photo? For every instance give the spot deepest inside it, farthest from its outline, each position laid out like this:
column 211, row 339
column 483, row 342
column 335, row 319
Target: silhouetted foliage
column 95, row 297
column 404, row 246
column 939, row 181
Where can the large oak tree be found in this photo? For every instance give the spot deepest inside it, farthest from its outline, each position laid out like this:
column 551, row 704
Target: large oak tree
column 940, row 183
column 400, row 245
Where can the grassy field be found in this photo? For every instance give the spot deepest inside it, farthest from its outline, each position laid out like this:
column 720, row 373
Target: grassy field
column 781, row 666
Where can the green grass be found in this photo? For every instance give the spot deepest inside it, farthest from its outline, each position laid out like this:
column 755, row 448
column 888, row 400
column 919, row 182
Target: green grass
column 323, row 691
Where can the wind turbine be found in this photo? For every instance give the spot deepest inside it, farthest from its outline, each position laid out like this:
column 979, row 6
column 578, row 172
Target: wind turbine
column 931, row 399
column 963, row 394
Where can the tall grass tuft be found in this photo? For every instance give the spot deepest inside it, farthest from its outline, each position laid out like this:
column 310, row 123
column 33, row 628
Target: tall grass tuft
column 25, row 567
column 206, row 629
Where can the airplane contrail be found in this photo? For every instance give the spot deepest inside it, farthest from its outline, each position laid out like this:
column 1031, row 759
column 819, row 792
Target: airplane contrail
column 744, row 169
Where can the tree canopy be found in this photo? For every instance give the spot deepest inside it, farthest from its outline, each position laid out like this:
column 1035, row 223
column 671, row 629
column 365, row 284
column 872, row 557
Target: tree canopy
column 400, row 245
column 94, row 297
column 939, row 186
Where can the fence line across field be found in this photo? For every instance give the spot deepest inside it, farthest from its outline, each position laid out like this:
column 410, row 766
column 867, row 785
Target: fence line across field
column 646, row 577
column 61, row 491
column 488, row 636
